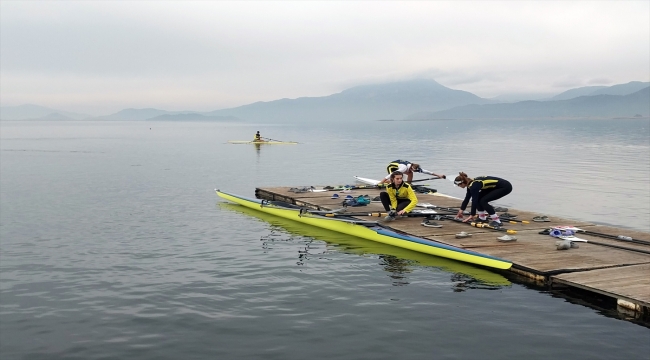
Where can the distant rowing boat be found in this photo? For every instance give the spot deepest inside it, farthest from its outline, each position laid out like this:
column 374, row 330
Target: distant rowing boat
column 263, row 142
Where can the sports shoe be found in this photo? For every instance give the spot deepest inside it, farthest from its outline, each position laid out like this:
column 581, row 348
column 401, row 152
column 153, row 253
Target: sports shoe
column 495, row 224
column 429, row 223
column 335, row 196
column 500, row 209
column 462, row 235
column 508, row 215
column 507, row 238
column 389, row 218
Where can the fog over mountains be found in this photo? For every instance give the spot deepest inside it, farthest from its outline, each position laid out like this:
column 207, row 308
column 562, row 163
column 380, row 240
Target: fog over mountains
column 404, row 100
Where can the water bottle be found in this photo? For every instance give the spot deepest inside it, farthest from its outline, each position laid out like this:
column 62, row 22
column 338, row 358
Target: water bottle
column 623, row 237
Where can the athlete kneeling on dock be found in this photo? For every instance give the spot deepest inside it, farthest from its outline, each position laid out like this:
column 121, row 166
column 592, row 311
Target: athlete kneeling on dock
column 481, row 190
column 399, row 197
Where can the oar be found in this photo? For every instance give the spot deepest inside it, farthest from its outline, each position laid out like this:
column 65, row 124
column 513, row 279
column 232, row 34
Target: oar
column 374, row 214
column 431, row 206
column 481, row 225
column 512, row 221
column 419, row 180
column 612, row 237
column 269, row 139
column 604, row 244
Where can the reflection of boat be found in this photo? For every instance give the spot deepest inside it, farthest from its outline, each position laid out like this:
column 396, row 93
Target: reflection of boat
column 262, row 142
column 395, row 260
column 368, row 230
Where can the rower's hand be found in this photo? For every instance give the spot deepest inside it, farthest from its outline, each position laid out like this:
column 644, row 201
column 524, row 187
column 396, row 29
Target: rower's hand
column 401, row 212
column 443, row 176
column 469, row 218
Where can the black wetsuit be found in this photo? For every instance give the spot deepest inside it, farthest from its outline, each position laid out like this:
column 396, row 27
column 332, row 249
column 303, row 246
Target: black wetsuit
column 484, row 189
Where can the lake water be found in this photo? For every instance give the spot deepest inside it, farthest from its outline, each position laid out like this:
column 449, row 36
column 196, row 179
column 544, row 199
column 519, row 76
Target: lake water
column 113, row 244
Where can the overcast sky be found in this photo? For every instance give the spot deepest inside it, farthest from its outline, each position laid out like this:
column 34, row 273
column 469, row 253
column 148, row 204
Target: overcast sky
column 100, row 57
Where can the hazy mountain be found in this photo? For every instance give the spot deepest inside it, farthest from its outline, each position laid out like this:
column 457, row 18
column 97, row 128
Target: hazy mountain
column 35, row 112
column 620, row 89
column 416, row 99
column 192, row 117
column 134, row 114
column 510, row 98
column 369, row 102
column 597, row 106
column 574, row 93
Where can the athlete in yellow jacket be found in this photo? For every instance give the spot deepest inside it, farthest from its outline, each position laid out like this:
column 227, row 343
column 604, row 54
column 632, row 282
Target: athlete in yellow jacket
column 399, row 197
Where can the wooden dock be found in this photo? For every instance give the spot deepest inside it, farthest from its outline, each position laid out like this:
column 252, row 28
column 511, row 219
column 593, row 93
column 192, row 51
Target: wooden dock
column 608, row 267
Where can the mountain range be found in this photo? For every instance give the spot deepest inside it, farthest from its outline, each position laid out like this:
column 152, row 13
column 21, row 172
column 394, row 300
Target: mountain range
column 636, row 104
column 409, row 100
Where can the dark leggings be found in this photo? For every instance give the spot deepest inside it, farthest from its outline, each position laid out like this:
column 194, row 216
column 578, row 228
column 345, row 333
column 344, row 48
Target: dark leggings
column 385, row 200
column 485, row 196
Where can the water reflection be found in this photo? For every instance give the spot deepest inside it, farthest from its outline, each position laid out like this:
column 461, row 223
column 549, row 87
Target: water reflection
column 397, row 267
column 396, row 261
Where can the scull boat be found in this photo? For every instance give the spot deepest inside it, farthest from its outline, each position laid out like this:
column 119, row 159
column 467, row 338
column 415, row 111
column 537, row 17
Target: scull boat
column 369, row 230
column 263, row 142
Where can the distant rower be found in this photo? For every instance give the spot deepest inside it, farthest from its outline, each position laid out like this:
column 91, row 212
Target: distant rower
column 258, row 137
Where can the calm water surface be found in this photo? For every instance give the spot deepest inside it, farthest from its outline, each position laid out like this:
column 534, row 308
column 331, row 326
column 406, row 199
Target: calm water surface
column 114, row 245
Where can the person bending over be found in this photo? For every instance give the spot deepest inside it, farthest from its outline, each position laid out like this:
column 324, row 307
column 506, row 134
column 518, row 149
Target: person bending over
column 407, row 168
column 399, row 197
column 481, row 190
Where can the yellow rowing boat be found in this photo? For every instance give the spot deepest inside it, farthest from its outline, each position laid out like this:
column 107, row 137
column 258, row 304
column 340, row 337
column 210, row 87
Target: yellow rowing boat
column 369, row 230
column 354, row 245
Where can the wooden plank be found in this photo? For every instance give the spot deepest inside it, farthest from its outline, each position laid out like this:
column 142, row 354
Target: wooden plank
column 613, row 282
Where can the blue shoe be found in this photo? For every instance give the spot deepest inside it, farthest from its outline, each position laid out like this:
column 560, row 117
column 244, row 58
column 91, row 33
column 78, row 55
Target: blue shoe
column 349, row 197
column 335, row 196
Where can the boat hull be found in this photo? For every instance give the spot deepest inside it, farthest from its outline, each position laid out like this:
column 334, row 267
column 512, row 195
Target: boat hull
column 371, row 232
column 263, row 142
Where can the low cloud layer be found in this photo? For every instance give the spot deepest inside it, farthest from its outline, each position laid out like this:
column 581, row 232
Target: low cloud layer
column 99, row 57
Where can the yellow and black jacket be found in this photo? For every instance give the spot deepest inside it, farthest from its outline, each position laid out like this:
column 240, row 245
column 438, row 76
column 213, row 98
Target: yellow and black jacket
column 405, row 191
column 474, row 188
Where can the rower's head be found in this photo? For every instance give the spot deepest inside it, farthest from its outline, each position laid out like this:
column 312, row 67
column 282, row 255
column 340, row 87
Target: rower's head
column 258, row 132
column 462, row 180
column 397, row 178
column 415, row 167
